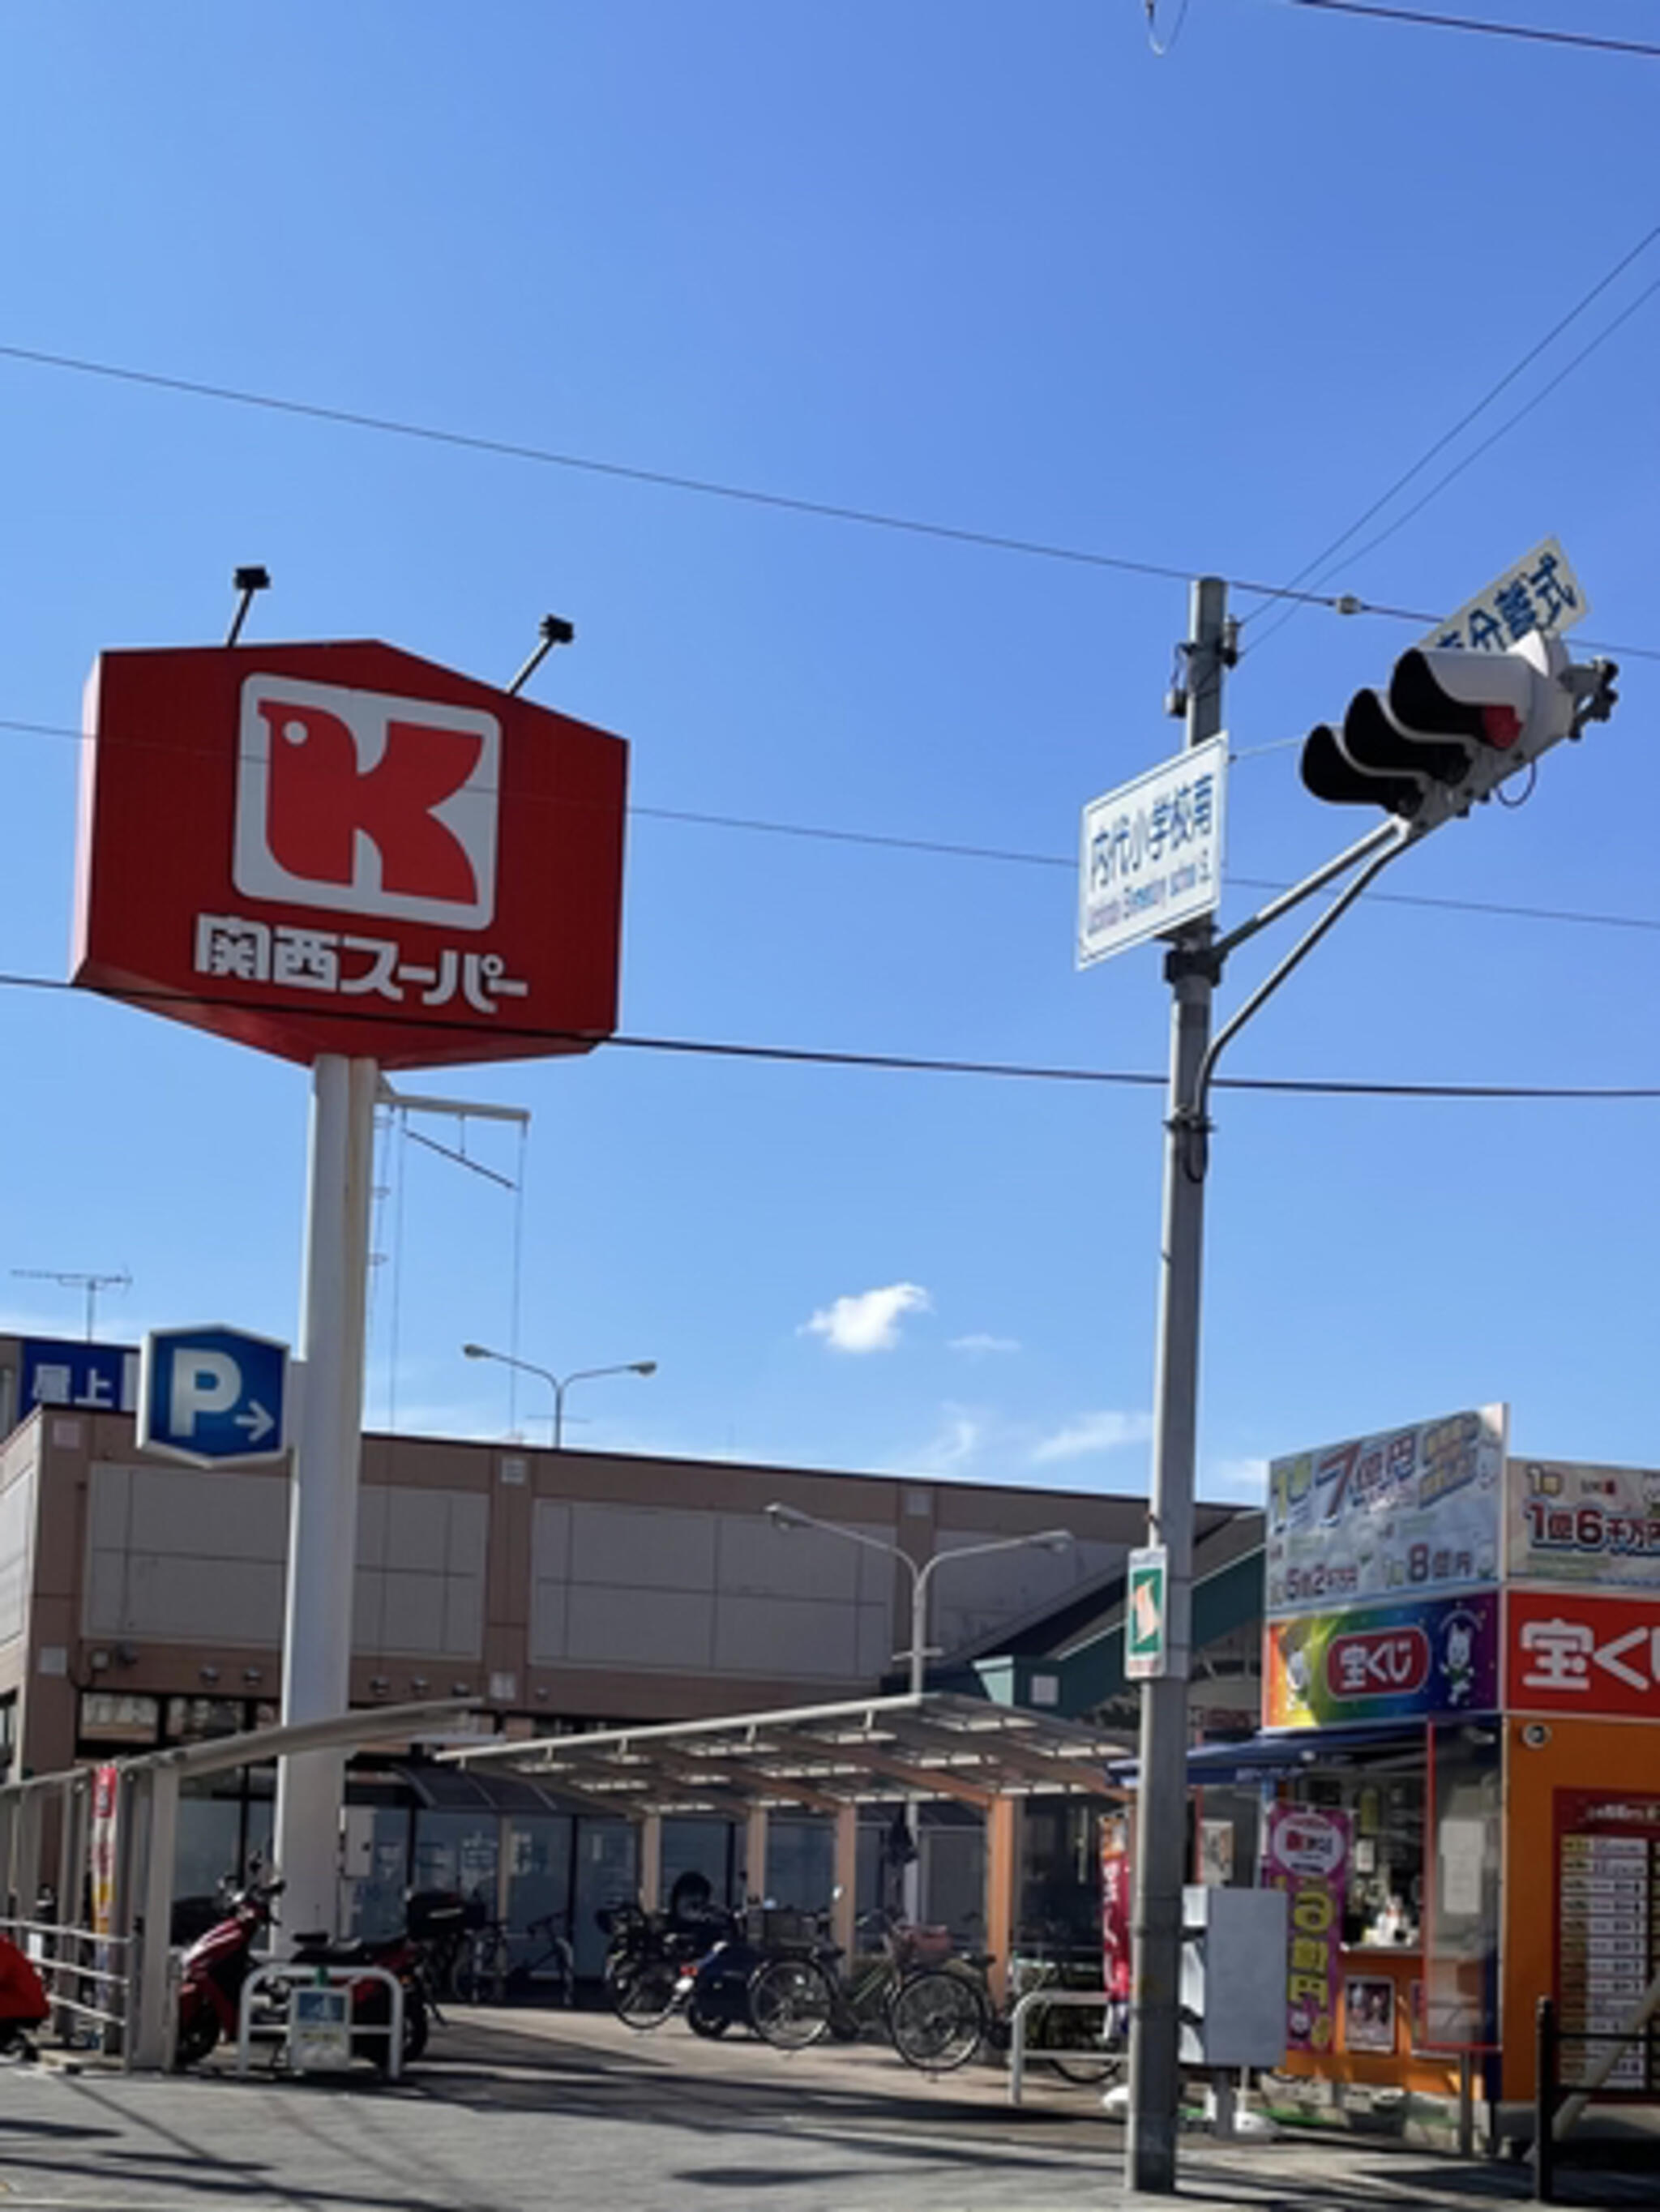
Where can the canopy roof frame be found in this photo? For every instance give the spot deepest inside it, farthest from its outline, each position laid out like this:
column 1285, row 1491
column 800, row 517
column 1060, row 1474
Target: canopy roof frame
column 931, row 1744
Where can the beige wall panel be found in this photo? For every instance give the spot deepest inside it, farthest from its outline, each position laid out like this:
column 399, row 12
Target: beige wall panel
column 549, row 1540
column 208, row 1515
column 640, row 1628
column 109, row 1502
column 758, row 1557
column 469, row 1534
column 178, row 1600
column 16, row 1549
column 107, row 1582
column 464, row 1616
column 548, row 1623
column 412, row 1614
column 417, row 1528
column 791, row 1637
column 367, row 1614
column 371, row 1525
column 641, row 1548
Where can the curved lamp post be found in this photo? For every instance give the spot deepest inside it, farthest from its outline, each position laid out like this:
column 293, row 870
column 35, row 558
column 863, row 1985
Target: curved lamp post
column 1044, row 1540
column 557, row 1383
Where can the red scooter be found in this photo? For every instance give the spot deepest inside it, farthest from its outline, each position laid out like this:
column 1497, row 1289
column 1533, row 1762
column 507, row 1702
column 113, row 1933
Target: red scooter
column 213, row 1969
column 217, row 1965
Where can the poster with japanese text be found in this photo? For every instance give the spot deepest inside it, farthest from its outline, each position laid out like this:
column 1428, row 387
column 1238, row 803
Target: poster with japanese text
column 1569, row 1523
column 1306, row 1853
column 1382, row 1662
column 1411, row 1512
column 1573, row 1651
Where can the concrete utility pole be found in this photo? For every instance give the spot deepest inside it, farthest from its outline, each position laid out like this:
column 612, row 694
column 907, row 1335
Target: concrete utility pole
column 1160, row 1855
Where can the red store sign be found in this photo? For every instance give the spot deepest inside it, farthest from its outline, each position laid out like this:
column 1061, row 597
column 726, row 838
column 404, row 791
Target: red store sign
column 342, row 848
column 1567, row 1651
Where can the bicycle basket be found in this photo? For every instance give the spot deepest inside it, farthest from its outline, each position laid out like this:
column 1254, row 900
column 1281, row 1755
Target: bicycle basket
column 923, row 1947
column 434, row 1912
column 779, row 1927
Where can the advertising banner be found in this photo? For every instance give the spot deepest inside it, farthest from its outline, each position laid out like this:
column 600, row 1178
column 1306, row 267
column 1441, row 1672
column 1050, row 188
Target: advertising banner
column 1384, row 1662
column 1306, row 1854
column 1568, row 1651
column 1570, row 1523
column 1412, row 1512
column 1115, row 1904
column 344, row 848
column 106, row 1781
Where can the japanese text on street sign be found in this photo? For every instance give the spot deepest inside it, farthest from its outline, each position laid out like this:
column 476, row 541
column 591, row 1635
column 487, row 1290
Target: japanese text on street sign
column 1151, row 857
column 1541, row 592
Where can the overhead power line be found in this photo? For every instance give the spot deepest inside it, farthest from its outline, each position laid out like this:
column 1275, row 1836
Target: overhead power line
column 1323, row 562
column 667, row 480
column 889, row 1062
column 945, row 849
column 1424, row 19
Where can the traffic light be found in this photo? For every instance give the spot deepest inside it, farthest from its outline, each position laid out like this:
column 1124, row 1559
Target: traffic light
column 1452, row 725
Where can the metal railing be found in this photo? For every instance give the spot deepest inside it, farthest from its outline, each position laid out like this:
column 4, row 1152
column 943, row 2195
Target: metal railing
column 87, row 1978
column 1551, row 2120
column 288, row 1975
column 1032, row 2003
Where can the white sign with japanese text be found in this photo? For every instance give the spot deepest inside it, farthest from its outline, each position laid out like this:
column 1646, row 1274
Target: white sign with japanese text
column 1539, row 592
column 1412, row 1512
column 1151, row 856
column 1572, row 1522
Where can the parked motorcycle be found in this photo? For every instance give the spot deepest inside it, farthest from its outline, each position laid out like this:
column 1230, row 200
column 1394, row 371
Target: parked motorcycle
column 213, row 1970
column 400, row 1955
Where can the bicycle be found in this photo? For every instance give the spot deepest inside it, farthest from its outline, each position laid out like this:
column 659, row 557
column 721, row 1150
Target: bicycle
column 488, row 1972
column 933, row 2007
column 1083, row 2044
column 648, row 1967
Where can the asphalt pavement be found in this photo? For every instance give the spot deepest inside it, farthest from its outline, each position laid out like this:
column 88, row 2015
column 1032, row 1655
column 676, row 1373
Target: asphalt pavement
column 574, row 2113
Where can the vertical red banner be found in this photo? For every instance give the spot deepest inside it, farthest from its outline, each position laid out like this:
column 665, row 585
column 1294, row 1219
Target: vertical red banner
column 105, row 1786
column 1307, row 1855
column 1115, row 1904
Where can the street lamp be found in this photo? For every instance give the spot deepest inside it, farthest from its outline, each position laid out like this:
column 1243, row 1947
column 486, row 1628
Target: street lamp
column 1045, row 1539
column 557, row 1383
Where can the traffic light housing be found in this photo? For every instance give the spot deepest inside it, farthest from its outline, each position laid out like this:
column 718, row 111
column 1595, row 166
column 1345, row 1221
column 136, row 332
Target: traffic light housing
column 1451, row 724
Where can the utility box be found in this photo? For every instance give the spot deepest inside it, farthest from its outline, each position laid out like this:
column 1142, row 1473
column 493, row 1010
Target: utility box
column 1233, row 1977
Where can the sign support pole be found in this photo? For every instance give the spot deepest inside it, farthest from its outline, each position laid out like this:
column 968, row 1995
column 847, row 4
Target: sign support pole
column 1162, row 1794
column 323, row 1514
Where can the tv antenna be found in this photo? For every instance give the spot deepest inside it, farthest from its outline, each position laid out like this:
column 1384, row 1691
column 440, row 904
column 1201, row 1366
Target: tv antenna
column 73, row 1280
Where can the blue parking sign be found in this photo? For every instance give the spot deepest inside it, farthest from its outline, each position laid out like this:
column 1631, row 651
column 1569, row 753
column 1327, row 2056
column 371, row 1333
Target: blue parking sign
column 213, row 1396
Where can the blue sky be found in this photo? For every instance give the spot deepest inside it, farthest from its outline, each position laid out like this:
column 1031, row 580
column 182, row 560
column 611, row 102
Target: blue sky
column 995, row 268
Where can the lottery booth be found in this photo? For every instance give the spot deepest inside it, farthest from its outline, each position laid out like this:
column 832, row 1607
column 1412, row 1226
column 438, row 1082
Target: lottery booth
column 1457, row 1780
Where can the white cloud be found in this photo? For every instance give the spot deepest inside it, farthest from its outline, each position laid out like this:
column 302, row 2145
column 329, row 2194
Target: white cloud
column 869, row 1321
column 979, row 1342
column 1093, row 1432
column 956, row 1442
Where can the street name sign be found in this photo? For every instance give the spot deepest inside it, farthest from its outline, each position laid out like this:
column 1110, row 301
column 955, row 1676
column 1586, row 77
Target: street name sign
column 1539, row 592
column 1151, row 854
column 213, row 1396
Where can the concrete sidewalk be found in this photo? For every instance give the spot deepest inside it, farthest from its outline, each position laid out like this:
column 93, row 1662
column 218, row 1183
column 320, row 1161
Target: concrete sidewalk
column 575, row 2112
